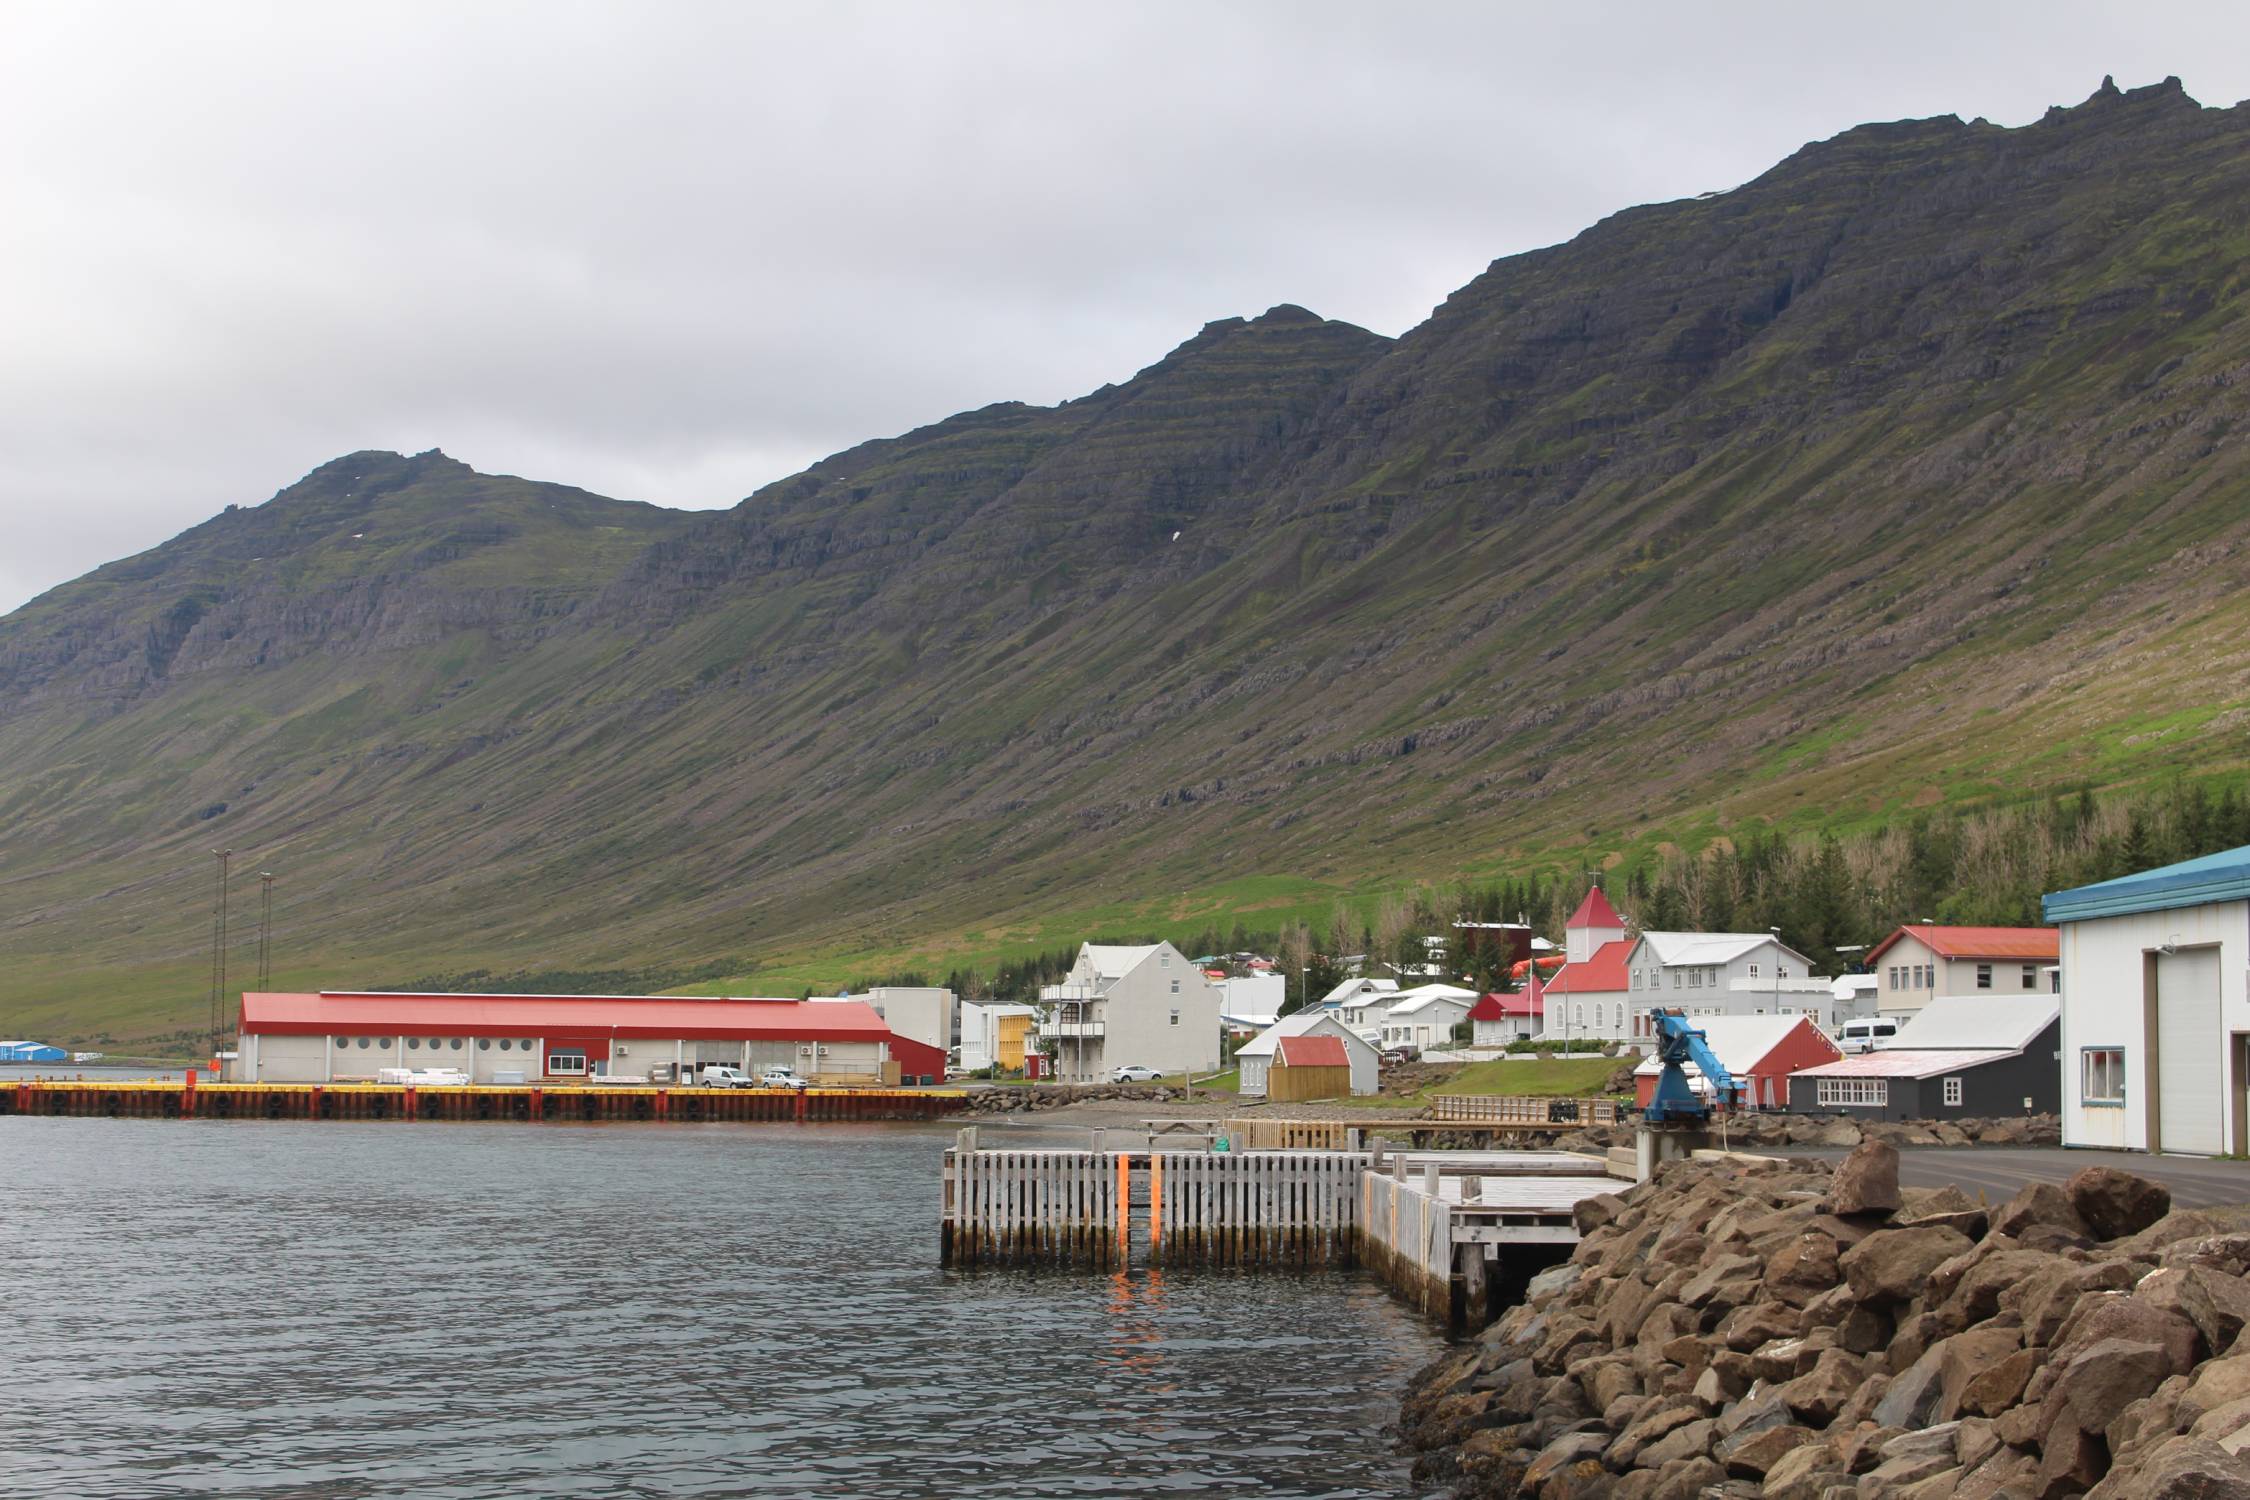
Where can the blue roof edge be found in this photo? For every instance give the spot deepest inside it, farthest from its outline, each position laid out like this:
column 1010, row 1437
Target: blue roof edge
column 2134, row 894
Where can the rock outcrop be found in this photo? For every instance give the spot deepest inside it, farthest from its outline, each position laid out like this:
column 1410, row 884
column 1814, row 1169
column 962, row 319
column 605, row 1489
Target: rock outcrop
column 1788, row 1330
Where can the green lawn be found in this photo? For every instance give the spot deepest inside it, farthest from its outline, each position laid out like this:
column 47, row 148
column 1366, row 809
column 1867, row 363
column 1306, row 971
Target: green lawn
column 1530, row 1078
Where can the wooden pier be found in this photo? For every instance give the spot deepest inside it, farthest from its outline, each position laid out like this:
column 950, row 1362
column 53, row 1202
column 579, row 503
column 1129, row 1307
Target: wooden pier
column 1448, row 1231
column 173, row 1099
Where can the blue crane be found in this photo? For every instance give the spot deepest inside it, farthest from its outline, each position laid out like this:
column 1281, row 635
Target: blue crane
column 1675, row 1102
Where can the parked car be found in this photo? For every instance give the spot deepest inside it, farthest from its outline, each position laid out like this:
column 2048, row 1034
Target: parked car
column 1395, row 1055
column 781, row 1078
column 1134, row 1074
column 1868, row 1034
column 720, row 1076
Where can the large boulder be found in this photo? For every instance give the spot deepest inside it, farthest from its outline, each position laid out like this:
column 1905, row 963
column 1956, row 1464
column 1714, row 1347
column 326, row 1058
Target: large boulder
column 2218, row 1304
column 2037, row 1203
column 1999, row 1385
column 1866, row 1181
column 1963, row 1358
column 1803, row 1268
column 2101, row 1380
column 1891, row 1264
column 2118, row 1315
column 2185, row 1468
column 2114, row 1204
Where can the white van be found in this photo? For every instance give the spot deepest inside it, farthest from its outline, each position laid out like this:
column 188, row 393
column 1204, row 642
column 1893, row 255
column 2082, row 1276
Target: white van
column 1870, row 1034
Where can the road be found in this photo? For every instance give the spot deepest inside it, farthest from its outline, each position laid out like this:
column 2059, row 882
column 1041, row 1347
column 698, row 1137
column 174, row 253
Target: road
column 1998, row 1171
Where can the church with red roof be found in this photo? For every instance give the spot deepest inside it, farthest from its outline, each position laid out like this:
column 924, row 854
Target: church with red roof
column 1588, row 995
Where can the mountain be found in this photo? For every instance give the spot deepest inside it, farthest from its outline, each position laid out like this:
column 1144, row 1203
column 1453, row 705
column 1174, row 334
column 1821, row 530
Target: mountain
column 1910, row 473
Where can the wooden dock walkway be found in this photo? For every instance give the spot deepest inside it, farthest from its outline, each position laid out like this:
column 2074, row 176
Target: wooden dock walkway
column 1446, row 1230
column 172, row 1099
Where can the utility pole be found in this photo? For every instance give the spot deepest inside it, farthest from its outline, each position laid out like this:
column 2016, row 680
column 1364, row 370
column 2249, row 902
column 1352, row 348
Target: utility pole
column 265, row 930
column 219, row 952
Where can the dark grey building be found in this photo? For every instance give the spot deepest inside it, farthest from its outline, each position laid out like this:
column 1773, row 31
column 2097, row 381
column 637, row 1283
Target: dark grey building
column 2017, row 1070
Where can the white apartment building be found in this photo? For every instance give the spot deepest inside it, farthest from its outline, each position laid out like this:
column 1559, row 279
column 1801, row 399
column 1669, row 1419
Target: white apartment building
column 1121, row 1007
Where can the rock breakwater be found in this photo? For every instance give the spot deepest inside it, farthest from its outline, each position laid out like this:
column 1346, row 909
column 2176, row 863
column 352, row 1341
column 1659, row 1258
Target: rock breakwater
column 1789, row 1330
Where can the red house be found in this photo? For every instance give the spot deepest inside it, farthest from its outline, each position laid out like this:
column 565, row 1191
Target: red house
column 1760, row 1051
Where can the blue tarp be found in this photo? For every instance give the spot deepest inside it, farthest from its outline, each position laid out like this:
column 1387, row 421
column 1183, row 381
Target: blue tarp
column 2191, row 882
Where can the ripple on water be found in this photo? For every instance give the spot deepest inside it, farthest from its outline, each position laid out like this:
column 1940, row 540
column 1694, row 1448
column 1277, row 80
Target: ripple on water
column 345, row 1310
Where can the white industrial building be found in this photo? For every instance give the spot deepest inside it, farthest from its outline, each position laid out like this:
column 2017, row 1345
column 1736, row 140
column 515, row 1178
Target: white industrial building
column 1122, row 1007
column 2155, row 1018
column 1255, row 1057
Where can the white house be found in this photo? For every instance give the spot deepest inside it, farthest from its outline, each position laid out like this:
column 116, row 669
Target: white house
column 2155, row 1017
column 1255, row 1057
column 1925, row 962
column 1723, row 974
column 1129, row 1007
column 1426, row 1015
column 1352, row 989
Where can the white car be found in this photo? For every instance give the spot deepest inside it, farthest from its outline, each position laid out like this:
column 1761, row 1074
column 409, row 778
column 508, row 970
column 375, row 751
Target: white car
column 1131, row 1074
column 781, row 1078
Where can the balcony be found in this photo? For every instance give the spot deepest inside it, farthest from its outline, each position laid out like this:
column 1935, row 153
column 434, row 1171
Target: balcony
column 1084, row 1031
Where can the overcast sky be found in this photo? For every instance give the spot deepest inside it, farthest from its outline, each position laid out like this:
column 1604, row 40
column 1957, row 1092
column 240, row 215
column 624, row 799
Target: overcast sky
column 670, row 252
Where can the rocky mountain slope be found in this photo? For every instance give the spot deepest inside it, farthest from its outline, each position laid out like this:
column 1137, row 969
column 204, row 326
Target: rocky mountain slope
column 1909, row 472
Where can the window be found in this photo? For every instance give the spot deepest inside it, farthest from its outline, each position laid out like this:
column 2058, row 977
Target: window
column 1753, row 970
column 484, row 1044
column 1675, row 979
column 1984, row 976
column 2031, row 976
column 343, row 1042
column 1175, row 986
column 566, row 1062
column 366, row 1042
column 1580, row 1014
column 506, row 1043
column 413, row 1044
column 1849, row 1092
column 1175, row 1017
column 384, row 1043
column 1953, row 1092
column 2101, row 1075
column 456, row 1044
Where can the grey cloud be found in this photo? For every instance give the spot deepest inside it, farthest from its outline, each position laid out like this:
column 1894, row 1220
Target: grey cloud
column 671, row 253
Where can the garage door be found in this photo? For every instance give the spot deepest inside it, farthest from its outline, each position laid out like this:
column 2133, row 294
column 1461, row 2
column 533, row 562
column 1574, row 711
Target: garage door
column 2190, row 1051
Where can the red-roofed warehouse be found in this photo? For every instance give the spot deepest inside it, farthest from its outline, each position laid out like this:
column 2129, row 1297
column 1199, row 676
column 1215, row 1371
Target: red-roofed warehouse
column 340, row 1035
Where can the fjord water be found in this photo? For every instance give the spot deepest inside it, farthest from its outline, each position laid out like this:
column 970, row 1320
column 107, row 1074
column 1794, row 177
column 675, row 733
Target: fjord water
column 297, row 1309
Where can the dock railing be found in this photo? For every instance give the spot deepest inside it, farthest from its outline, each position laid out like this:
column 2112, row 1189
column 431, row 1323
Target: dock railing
column 1524, row 1112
